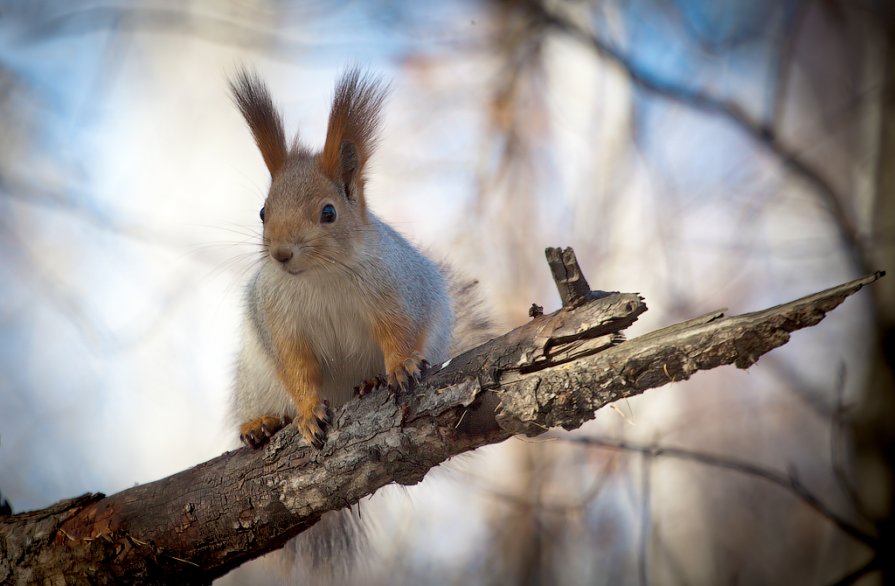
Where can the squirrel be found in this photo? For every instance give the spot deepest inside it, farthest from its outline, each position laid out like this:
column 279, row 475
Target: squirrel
column 341, row 301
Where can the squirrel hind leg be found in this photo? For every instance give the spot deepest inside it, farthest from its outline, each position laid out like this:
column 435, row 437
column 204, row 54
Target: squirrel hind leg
column 256, row 432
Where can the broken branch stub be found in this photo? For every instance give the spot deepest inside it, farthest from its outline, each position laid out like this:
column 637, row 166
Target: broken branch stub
column 570, row 282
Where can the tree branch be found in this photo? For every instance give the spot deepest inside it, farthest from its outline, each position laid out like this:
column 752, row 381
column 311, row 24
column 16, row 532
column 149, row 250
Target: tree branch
column 556, row 370
column 787, row 481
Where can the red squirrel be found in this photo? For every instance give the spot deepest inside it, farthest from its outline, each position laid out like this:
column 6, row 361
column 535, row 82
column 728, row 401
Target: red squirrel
column 340, row 297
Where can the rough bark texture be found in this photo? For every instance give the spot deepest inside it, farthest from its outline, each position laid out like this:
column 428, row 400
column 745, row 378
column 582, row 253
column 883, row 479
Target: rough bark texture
column 556, row 370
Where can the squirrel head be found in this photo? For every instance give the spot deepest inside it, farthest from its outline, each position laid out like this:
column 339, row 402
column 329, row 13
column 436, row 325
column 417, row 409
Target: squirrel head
column 315, row 214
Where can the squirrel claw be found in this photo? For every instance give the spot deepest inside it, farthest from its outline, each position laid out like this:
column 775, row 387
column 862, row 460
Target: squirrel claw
column 368, row 386
column 403, row 378
column 397, row 381
column 256, row 432
column 408, row 374
column 418, row 375
column 312, row 422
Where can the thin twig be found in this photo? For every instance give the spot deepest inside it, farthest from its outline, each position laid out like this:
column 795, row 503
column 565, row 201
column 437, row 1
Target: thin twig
column 788, row 482
column 645, row 471
column 855, row 575
column 729, row 110
column 837, row 433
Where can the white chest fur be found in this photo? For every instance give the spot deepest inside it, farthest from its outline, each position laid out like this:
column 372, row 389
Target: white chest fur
column 324, row 311
column 327, row 310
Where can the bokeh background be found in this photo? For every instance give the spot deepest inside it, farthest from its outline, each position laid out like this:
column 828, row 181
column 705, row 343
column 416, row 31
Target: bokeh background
column 705, row 154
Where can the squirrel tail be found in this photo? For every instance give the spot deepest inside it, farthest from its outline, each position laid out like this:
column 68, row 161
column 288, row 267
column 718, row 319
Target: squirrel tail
column 472, row 324
column 327, row 552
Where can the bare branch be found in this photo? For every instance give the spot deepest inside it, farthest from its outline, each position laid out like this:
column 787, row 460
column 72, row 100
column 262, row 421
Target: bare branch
column 646, row 471
column 762, row 133
column 788, row 482
column 858, row 573
column 556, row 370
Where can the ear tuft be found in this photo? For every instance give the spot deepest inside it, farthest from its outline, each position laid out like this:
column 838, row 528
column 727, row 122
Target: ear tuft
column 349, row 164
column 351, row 134
column 253, row 100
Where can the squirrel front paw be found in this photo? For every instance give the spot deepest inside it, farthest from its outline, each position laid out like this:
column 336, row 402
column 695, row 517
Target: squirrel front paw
column 406, row 374
column 256, row 432
column 312, row 420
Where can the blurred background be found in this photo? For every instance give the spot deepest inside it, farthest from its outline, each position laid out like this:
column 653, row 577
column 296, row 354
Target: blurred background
column 705, row 154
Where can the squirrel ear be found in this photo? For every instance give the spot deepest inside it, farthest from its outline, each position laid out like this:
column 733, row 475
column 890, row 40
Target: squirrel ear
column 253, row 100
column 351, row 134
column 349, row 164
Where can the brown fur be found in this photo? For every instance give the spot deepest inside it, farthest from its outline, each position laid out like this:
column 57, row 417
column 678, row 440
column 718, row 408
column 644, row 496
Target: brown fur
column 402, row 346
column 351, row 133
column 300, row 372
column 254, row 101
column 292, row 216
column 259, row 430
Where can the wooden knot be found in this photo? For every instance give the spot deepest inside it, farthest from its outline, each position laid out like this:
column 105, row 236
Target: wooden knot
column 570, row 282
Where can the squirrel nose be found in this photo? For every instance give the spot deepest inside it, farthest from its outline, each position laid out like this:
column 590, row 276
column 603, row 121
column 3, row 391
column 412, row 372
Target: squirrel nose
column 282, row 253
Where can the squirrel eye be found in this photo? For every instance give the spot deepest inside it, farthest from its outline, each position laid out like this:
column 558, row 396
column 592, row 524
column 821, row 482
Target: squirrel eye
column 261, row 213
column 328, row 214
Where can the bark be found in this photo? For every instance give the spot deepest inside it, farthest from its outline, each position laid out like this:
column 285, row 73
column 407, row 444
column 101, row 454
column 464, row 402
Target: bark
column 556, row 370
